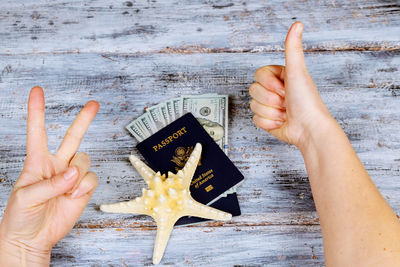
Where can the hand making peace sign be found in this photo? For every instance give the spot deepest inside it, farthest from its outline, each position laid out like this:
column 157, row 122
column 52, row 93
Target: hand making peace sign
column 52, row 190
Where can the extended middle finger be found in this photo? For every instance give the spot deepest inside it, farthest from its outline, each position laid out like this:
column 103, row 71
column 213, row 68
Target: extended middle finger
column 77, row 130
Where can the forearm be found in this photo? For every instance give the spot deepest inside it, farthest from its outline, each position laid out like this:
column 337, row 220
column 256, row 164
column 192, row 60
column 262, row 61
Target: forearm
column 357, row 224
column 14, row 253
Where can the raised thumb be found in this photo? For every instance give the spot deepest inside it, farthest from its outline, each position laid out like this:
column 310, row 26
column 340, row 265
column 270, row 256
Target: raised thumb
column 294, row 55
column 49, row 188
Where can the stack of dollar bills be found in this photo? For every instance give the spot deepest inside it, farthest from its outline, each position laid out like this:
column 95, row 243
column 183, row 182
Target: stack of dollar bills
column 211, row 110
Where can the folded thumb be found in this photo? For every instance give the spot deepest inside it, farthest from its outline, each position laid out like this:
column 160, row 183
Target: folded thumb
column 294, row 55
column 53, row 187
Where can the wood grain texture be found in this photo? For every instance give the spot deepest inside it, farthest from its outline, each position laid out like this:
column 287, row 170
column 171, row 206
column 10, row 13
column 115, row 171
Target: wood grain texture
column 203, row 247
column 360, row 89
column 194, row 26
column 82, row 50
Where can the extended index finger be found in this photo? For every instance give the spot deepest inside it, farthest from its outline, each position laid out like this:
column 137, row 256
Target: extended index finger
column 77, row 130
column 36, row 139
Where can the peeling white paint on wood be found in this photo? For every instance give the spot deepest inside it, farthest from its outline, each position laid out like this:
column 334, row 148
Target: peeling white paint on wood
column 359, row 88
column 279, row 225
column 287, row 245
column 29, row 26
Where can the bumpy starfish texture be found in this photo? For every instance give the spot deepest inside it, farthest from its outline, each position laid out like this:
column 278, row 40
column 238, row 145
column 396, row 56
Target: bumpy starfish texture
column 166, row 200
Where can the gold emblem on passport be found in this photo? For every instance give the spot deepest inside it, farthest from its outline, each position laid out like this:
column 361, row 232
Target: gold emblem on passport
column 209, row 188
column 181, row 156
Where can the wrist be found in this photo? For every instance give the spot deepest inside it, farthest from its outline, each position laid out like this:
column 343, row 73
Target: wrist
column 15, row 253
column 317, row 131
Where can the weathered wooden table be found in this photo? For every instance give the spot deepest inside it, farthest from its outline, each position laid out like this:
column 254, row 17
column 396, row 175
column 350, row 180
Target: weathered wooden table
column 134, row 54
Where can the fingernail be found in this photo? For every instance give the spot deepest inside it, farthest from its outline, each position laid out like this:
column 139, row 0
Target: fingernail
column 278, row 123
column 70, row 173
column 75, row 193
column 281, row 92
column 299, row 28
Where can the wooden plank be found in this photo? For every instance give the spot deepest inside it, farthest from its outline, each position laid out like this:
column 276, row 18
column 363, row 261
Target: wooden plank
column 222, row 246
column 360, row 89
column 122, row 53
column 109, row 220
column 30, row 26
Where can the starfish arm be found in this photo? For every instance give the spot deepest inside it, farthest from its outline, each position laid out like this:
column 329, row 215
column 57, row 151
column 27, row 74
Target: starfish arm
column 191, row 165
column 200, row 210
column 132, row 206
column 145, row 171
column 164, row 230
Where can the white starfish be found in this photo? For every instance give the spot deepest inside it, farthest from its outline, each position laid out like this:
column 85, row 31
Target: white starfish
column 166, row 200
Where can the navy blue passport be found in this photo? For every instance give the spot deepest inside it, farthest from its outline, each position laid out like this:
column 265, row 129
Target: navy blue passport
column 168, row 150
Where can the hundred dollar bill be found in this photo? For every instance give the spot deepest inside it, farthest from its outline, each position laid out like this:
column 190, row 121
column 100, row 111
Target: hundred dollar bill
column 170, row 109
column 176, row 104
column 144, row 124
column 135, row 131
column 212, row 112
column 156, row 117
column 164, row 112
